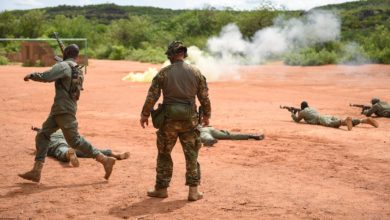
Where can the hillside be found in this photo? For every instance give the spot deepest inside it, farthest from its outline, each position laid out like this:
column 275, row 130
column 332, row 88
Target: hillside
column 142, row 33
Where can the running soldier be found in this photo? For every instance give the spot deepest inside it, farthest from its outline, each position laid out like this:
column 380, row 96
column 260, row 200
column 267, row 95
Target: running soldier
column 68, row 84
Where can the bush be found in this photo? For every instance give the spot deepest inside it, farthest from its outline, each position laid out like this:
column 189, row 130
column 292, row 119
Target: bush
column 150, row 54
column 3, row 60
column 310, row 57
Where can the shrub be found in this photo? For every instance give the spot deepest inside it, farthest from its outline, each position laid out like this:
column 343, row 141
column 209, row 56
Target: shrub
column 3, row 60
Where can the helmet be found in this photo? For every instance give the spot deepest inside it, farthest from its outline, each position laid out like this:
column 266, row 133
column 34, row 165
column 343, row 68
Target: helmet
column 304, row 105
column 176, row 47
column 71, row 51
column 375, row 100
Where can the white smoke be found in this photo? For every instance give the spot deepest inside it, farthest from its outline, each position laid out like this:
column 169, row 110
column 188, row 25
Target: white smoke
column 270, row 42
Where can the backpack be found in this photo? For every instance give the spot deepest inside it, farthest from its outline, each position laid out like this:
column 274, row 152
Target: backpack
column 76, row 83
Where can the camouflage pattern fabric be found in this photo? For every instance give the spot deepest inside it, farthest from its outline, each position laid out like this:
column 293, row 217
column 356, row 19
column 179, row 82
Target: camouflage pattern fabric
column 381, row 109
column 58, row 148
column 179, row 83
column 69, row 126
column 190, row 140
column 208, row 134
column 311, row 116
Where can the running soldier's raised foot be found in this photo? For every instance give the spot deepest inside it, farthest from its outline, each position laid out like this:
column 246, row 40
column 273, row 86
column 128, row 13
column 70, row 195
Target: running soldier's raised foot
column 108, row 164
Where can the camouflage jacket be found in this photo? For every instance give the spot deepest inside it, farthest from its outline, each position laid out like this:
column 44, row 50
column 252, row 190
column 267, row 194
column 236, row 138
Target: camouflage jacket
column 179, row 82
column 310, row 115
column 61, row 74
column 381, row 109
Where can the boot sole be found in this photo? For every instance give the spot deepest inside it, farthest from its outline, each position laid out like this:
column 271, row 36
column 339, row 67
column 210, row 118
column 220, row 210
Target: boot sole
column 31, row 179
column 109, row 167
column 73, row 158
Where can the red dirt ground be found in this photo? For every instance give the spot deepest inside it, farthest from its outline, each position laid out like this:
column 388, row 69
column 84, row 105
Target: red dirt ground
column 298, row 172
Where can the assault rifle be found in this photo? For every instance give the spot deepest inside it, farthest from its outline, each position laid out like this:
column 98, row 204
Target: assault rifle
column 291, row 109
column 363, row 107
column 62, row 47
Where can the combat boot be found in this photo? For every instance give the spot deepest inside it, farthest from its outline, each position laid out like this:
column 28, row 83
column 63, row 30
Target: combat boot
column 257, row 137
column 34, row 174
column 108, row 163
column 194, row 194
column 347, row 122
column 158, row 193
column 121, row 156
column 72, row 157
column 369, row 121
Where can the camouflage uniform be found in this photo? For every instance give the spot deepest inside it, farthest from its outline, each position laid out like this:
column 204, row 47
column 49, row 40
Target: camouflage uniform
column 63, row 113
column 311, row 116
column 58, row 148
column 180, row 83
column 381, row 109
column 209, row 135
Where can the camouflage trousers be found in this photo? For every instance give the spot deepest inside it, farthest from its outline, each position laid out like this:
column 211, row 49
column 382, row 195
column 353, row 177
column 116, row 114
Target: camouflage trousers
column 69, row 126
column 59, row 152
column 334, row 122
column 166, row 139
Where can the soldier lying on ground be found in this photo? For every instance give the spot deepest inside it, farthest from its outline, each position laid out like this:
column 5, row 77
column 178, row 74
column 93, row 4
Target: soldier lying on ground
column 379, row 108
column 209, row 135
column 59, row 149
column 311, row 116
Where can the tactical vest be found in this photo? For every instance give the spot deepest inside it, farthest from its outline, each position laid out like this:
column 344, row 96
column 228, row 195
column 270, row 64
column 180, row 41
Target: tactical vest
column 76, row 83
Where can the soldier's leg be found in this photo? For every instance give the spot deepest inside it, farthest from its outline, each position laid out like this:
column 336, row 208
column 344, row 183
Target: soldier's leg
column 42, row 141
column 64, row 153
column 59, row 153
column 369, row 121
column 226, row 135
column 106, row 152
column 165, row 143
column 69, row 127
column 191, row 144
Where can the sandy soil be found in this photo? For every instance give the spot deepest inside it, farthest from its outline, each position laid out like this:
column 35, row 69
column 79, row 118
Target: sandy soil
column 298, row 172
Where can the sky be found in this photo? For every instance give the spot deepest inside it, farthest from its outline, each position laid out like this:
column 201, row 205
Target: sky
column 174, row 4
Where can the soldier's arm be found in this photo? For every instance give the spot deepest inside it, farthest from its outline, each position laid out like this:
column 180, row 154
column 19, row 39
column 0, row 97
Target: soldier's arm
column 56, row 72
column 295, row 118
column 153, row 94
column 371, row 111
column 203, row 96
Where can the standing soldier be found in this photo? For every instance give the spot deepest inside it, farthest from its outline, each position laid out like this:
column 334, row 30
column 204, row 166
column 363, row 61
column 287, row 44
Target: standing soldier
column 180, row 83
column 68, row 83
column 379, row 108
column 311, row 116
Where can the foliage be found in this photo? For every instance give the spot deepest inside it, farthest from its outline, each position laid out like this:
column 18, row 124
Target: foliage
column 3, row 60
column 142, row 33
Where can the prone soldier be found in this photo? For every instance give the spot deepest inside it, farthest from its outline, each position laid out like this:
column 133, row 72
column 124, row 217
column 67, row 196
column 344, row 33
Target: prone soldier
column 59, row 149
column 379, row 108
column 311, row 116
column 210, row 135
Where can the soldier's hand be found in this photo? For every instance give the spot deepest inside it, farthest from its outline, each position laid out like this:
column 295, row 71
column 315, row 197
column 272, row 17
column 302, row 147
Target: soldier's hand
column 27, row 77
column 144, row 120
column 205, row 121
